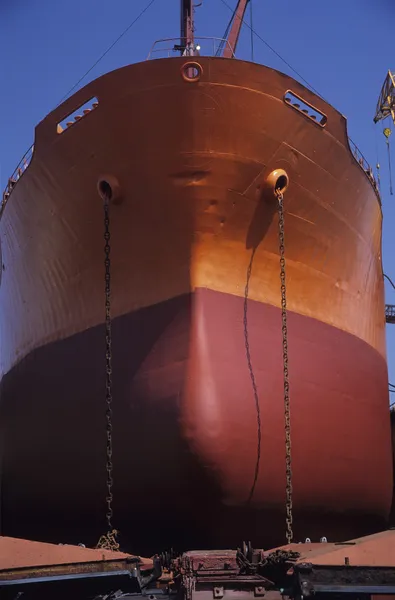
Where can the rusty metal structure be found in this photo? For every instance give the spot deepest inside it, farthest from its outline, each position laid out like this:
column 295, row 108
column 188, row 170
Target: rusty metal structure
column 353, row 569
column 35, row 570
column 386, row 102
column 220, row 372
column 385, row 109
column 390, row 313
column 234, row 32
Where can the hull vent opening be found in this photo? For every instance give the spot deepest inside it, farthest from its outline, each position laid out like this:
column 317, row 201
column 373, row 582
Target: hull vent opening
column 78, row 114
column 305, row 108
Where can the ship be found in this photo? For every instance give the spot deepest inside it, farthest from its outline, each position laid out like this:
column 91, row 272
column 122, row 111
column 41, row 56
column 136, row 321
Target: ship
column 192, row 244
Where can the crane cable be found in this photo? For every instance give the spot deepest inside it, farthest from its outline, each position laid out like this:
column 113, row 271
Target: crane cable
column 389, row 279
column 222, row 42
column 387, row 132
column 252, row 32
column 108, row 49
column 377, row 158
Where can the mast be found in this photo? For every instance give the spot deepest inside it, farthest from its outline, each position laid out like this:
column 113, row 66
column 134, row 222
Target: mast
column 233, row 37
column 187, row 27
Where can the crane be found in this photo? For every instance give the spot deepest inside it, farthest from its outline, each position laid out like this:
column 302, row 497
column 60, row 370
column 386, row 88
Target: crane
column 235, row 28
column 228, row 47
column 386, row 108
column 386, row 102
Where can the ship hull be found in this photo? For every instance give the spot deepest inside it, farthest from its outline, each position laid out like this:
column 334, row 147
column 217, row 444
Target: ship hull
column 186, row 429
column 195, row 280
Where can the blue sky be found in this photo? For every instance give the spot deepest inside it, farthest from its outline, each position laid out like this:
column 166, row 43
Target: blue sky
column 343, row 48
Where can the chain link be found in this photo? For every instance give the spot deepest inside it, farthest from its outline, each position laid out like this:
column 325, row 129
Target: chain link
column 287, row 412
column 108, row 541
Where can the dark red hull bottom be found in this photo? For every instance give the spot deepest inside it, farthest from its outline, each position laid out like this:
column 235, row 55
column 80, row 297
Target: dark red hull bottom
column 173, row 476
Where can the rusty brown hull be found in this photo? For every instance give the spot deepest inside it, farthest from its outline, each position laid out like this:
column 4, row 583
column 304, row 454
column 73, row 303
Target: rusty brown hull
column 185, row 453
column 192, row 230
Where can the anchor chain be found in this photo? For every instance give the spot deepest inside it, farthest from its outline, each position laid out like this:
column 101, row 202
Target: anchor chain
column 109, row 540
column 287, row 412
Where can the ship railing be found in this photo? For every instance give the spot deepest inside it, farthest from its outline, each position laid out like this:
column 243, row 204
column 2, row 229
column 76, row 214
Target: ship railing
column 390, row 313
column 202, row 46
column 17, row 174
column 365, row 166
